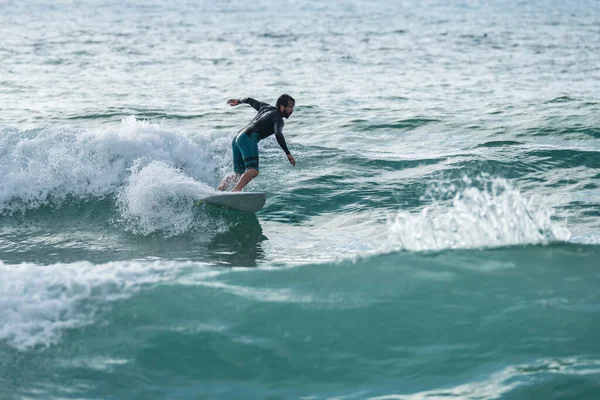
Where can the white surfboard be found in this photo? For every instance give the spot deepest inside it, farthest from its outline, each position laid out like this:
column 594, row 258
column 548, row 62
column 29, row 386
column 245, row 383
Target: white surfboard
column 243, row 201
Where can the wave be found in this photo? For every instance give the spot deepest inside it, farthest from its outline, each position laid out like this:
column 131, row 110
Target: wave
column 578, row 130
column 51, row 165
column 528, row 378
column 150, row 176
column 362, row 125
column 500, row 143
column 138, row 113
column 39, row 303
column 158, row 197
column 561, row 99
column 566, row 158
column 494, row 216
column 512, row 161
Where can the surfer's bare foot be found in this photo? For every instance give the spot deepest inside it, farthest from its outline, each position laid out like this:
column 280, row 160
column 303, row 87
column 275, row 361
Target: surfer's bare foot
column 228, row 180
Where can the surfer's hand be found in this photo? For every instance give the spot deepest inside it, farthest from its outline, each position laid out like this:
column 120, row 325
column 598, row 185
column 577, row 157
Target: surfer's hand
column 233, row 102
column 292, row 159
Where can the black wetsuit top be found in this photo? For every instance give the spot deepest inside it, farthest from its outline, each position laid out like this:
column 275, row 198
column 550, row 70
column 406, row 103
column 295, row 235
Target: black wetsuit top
column 268, row 121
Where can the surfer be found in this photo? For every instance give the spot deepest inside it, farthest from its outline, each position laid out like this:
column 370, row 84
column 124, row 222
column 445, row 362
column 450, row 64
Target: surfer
column 268, row 121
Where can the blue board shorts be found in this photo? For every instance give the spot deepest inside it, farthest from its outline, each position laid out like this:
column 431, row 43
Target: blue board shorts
column 245, row 152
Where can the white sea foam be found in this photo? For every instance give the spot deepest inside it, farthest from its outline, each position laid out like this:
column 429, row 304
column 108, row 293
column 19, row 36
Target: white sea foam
column 49, row 165
column 499, row 384
column 497, row 215
column 158, row 197
column 38, row 303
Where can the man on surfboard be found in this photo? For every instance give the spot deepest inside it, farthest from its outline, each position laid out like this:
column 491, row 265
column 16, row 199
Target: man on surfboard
column 268, row 121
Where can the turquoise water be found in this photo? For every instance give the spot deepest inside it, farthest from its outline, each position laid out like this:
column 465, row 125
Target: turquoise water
column 438, row 237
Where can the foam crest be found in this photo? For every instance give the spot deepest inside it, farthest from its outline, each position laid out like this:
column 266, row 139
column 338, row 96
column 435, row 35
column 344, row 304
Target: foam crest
column 159, row 197
column 50, row 165
column 496, row 215
column 499, row 384
column 38, row 303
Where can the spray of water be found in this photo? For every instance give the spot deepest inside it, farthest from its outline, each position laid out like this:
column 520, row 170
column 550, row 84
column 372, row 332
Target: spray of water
column 159, row 198
column 50, row 165
column 492, row 216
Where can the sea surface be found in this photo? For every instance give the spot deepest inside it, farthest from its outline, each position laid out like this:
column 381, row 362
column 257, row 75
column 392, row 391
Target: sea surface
column 439, row 237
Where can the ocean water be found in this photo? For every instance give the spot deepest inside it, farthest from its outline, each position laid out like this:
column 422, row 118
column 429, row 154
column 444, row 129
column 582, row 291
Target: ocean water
column 439, row 236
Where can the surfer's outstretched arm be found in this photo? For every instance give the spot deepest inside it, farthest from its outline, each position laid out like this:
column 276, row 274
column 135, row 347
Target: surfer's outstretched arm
column 247, row 100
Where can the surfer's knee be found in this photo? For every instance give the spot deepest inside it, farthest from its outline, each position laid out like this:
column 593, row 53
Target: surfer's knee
column 252, row 172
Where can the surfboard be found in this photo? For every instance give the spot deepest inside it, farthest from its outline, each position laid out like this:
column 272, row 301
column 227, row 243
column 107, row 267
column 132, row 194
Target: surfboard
column 242, row 201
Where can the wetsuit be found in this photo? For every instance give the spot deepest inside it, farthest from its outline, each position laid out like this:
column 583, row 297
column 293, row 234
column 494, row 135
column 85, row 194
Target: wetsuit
column 268, row 121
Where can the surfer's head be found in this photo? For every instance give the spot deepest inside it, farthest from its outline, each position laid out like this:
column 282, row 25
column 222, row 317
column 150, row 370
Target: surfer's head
column 285, row 104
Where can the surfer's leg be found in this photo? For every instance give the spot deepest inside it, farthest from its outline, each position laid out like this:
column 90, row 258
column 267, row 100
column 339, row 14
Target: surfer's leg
column 248, row 146
column 238, row 166
column 250, row 174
